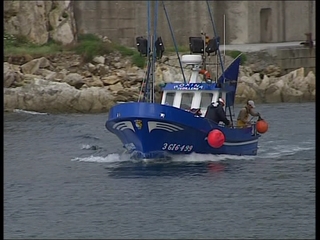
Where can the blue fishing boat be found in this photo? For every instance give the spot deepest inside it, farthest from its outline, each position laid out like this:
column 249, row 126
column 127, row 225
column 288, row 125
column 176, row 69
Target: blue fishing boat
column 177, row 125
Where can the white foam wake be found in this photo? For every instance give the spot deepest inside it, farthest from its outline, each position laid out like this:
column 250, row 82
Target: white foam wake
column 29, row 112
column 90, row 147
column 283, row 150
column 110, row 158
column 270, row 153
column 198, row 158
column 190, row 158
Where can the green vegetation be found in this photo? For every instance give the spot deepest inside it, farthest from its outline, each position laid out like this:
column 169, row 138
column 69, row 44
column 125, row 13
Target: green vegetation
column 136, row 59
column 19, row 45
column 65, row 15
column 88, row 46
column 123, row 50
column 181, row 49
column 236, row 53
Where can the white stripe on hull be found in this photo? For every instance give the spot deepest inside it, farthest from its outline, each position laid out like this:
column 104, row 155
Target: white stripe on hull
column 163, row 126
column 123, row 125
column 240, row 143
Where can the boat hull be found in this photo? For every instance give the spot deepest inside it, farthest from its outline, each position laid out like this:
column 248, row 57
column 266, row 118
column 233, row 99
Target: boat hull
column 152, row 130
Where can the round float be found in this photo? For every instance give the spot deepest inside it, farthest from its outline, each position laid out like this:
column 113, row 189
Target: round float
column 262, row 126
column 216, row 138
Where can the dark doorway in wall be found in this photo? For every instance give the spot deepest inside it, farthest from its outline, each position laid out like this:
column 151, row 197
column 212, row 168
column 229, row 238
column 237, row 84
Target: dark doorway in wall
column 265, row 25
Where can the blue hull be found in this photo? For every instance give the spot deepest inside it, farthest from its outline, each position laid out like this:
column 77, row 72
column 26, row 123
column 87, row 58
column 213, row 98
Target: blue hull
column 153, row 130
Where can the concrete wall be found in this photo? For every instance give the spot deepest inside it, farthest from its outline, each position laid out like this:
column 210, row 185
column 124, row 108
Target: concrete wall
column 275, row 27
column 236, row 21
column 123, row 21
column 114, row 19
column 290, row 20
column 296, row 57
column 299, row 19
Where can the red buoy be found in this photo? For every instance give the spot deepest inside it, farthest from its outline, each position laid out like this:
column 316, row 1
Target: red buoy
column 262, row 126
column 216, row 138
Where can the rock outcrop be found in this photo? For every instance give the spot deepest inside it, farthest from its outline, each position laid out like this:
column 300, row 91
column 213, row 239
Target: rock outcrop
column 47, row 96
column 40, row 20
column 292, row 87
column 61, row 83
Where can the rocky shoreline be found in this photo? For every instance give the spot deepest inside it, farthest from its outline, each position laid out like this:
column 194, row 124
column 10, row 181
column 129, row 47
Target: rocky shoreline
column 62, row 83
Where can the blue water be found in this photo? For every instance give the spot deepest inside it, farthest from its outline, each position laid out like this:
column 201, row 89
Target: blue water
column 65, row 177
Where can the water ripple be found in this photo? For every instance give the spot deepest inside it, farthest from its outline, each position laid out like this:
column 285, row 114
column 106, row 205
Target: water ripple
column 66, row 176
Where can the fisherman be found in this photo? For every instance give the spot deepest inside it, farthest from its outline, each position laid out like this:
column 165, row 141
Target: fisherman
column 196, row 112
column 216, row 113
column 243, row 116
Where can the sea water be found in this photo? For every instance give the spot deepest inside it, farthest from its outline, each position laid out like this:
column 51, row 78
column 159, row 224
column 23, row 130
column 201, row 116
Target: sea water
column 66, row 176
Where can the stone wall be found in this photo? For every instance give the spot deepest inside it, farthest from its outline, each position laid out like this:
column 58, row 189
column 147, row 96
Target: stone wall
column 288, row 21
column 293, row 58
column 123, row 21
column 246, row 21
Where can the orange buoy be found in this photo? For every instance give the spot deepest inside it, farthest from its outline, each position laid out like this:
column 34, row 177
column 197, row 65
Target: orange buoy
column 216, row 138
column 205, row 73
column 262, row 126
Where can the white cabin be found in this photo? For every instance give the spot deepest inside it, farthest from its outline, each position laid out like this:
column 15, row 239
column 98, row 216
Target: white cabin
column 191, row 97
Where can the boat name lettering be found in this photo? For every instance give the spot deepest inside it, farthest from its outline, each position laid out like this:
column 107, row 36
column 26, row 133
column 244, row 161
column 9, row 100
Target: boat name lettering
column 188, row 86
column 177, row 147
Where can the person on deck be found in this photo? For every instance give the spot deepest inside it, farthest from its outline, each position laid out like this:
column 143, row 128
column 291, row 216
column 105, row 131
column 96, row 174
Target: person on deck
column 243, row 116
column 216, row 113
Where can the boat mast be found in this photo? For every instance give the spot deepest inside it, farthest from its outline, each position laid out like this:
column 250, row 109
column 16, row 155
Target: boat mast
column 224, row 39
column 216, row 38
column 153, row 51
column 218, row 51
column 151, row 54
column 174, row 41
column 146, row 96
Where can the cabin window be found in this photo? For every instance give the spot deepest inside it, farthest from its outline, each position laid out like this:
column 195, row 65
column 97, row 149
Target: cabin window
column 186, row 100
column 206, row 99
column 169, row 98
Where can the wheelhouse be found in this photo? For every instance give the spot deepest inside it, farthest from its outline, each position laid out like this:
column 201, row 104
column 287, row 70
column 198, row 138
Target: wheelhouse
column 196, row 93
column 189, row 99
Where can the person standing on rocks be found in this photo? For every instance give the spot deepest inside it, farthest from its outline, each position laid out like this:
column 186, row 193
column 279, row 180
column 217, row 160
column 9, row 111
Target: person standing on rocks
column 243, row 116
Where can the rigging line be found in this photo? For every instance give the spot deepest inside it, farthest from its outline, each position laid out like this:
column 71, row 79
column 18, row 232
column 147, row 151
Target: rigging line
column 174, row 41
column 148, row 28
column 146, row 90
column 141, row 93
column 230, row 113
column 215, row 34
column 154, row 57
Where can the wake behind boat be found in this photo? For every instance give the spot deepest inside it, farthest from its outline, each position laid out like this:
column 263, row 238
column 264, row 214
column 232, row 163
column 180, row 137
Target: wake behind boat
column 176, row 125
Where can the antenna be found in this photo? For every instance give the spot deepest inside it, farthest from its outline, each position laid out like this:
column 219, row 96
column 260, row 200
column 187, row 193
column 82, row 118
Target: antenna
column 224, row 33
column 224, row 39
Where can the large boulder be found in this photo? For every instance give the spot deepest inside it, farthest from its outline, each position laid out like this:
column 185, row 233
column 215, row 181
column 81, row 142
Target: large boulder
column 292, row 95
column 310, row 80
column 35, row 64
column 46, row 96
column 11, row 75
column 75, row 80
column 27, row 18
column 39, row 20
column 61, row 22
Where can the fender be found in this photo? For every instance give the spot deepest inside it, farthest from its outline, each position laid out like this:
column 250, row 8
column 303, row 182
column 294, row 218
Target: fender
column 205, row 73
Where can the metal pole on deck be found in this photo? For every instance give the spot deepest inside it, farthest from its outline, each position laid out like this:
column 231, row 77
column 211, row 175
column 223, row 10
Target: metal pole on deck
column 224, row 39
